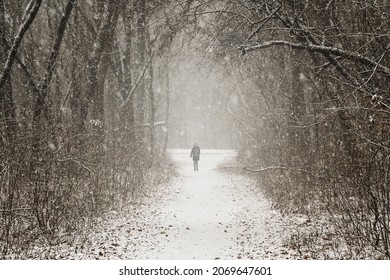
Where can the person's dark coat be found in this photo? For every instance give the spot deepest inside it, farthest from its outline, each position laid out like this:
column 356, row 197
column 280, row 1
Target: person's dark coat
column 195, row 153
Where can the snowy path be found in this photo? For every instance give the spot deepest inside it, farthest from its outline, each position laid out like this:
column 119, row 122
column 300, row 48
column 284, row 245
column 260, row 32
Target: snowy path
column 199, row 215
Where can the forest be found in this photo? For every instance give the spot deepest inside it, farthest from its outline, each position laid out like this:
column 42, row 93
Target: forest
column 93, row 93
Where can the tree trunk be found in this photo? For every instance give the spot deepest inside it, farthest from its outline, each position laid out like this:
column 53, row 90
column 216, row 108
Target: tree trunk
column 97, row 68
column 152, row 118
column 128, row 108
column 140, row 97
column 7, row 57
column 29, row 16
column 40, row 103
column 297, row 108
column 167, row 105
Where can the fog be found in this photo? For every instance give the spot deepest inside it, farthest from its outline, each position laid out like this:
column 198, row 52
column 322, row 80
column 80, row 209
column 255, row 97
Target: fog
column 200, row 101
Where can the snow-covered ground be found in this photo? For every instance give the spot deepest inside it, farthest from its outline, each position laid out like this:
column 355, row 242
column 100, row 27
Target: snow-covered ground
column 199, row 215
column 206, row 214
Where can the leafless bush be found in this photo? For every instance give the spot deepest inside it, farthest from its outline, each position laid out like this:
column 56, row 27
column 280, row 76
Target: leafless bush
column 66, row 191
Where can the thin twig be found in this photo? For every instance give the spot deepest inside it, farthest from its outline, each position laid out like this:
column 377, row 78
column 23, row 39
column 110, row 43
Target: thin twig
column 14, row 209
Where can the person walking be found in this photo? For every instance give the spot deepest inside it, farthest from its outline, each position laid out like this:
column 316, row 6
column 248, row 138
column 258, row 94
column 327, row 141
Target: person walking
column 195, row 154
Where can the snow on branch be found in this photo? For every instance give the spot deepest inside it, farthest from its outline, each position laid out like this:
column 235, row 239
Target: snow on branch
column 268, row 168
column 320, row 49
column 160, row 123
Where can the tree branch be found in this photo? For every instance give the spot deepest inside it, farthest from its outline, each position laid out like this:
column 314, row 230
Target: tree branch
column 30, row 14
column 24, row 68
column 266, row 168
column 320, row 49
column 14, row 209
column 135, row 85
column 263, row 23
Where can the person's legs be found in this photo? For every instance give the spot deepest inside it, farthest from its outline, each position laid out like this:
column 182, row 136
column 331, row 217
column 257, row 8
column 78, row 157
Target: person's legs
column 196, row 165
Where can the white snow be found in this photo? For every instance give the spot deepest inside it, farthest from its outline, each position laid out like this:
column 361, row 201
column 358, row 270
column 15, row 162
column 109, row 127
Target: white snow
column 208, row 214
column 199, row 215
